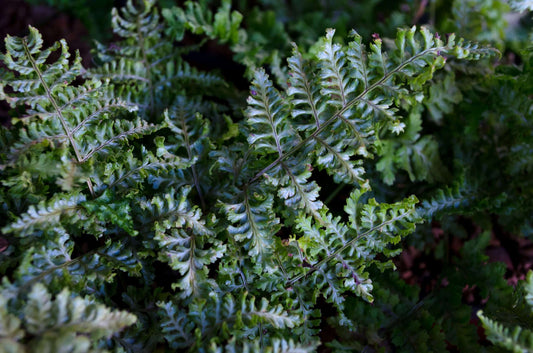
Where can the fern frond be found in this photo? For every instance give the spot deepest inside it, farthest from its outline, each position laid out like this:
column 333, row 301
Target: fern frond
column 187, row 244
column 173, row 210
column 443, row 94
column 43, row 314
column 132, row 171
column 338, row 250
column 223, row 24
column 448, row 199
column 275, row 346
column 182, row 74
column 50, row 258
column 361, row 92
column 47, row 215
column 135, row 22
column 254, row 223
column 50, row 261
column 296, row 189
column 10, row 326
column 123, row 70
column 267, row 116
column 228, row 312
column 110, row 134
column 189, row 254
column 517, row 340
column 175, row 326
column 337, row 85
column 191, row 131
column 63, row 323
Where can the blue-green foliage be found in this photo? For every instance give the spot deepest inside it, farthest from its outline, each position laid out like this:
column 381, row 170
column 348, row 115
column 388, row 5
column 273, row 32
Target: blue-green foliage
column 142, row 185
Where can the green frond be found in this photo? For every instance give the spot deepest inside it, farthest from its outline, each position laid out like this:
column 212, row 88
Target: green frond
column 229, row 313
column 135, row 22
column 102, row 139
column 448, row 200
column 517, row 340
column 132, row 171
column 121, row 71
column 77, row 112
column 296, row 189
column 442, row 96
column 333, row 151
column 10, row 329
column 173, row 210
column 182, row 74
column 59, row 123
column 254, row 223
column 186, row 243
column 191, row 131
column 50, row 262
column 267, row 116
column 47, row 215
column 189, row 254
column 145, row 184
column 106, row 209
column 175, row 325
column 337, row 155
column 305, row 93
column 360, row 92
column 338, row 254
column 116, row 255
column 419, row 158
column 47, row 260
column 223, row 25
column 75, row 315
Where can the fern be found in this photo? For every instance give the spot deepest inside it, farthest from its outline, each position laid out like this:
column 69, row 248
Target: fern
column 63, row 323
column 517, row 340
column 148, row 186
column 228, row 312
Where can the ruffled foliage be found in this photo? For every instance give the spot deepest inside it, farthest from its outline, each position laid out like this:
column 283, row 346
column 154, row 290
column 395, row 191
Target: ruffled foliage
column 144, row 185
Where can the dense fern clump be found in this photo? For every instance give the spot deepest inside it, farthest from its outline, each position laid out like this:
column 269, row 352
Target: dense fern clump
column 150, row 206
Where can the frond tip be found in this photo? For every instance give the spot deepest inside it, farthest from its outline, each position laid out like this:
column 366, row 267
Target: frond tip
column 517, row 340
column 76, row 317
